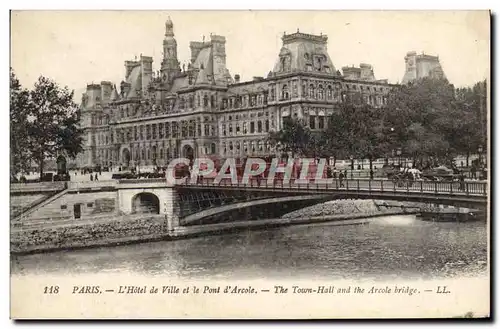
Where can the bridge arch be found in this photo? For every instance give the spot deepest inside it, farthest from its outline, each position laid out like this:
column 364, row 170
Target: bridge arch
column 145, row 203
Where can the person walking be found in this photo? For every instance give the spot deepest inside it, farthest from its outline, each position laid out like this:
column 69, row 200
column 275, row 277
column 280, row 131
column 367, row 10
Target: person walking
column 371, row 174
column 341, row 179
column 96, row 178
column 91, row 178
column 462, row 181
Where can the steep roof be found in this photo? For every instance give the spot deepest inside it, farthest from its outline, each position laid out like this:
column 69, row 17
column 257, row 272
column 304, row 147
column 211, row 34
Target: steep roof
column 302, row 50
column 135, row 81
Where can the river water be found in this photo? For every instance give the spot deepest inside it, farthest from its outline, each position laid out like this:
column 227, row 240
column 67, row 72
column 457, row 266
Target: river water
column 402, row 247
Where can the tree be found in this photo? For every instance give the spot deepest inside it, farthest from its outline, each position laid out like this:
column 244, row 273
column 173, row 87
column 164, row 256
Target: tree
column 471, row 125
column 19, row 100
column 52, row 122
column 294, row 138
column 354, row 131
column 420, row 115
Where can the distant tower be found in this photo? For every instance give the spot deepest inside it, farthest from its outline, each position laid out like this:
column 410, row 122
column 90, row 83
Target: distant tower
column 170, row 66
column 422, row 66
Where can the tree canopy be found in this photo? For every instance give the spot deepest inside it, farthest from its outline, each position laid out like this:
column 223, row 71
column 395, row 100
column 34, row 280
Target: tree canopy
column 44, row 123
column 294, row 137
column 428, row 120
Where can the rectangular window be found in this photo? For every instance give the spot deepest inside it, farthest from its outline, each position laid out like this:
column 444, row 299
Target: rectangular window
column 148, row 132
column 153, row 128
column 90, row 205
column 160, row 130
column 252, row 127
column 64, row 207
column 321, row 122
column 312, row 122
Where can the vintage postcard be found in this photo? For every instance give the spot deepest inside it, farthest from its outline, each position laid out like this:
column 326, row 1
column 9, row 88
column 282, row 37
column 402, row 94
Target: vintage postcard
column 249, row 164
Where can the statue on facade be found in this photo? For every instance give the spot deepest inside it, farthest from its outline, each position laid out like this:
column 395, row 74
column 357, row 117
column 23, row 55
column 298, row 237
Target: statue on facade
column 84, row 99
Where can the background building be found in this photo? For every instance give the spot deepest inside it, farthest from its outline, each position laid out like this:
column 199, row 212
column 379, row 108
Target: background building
column 202, row 110
column 422, row 66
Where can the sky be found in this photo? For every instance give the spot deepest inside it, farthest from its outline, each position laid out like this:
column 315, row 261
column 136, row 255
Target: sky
column 80, row 47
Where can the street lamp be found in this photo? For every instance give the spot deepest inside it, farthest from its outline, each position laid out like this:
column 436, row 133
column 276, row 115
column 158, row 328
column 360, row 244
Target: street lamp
column 480, row 153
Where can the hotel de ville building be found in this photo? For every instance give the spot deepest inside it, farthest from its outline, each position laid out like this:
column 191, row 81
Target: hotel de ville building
column 202, row 110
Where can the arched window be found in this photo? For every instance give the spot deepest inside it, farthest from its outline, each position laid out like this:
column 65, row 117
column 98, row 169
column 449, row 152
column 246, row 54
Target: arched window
column 149, row 154
column 212, row 148
column 191, row 102
column 311, row 90
column 143, row 154
column 212, row 101
column 267, row 126
column 320, row 92
column 284, row 92
column 153, row 153
column 205, row 100
column 259, row 126
column 161, row 153
column 329, row 92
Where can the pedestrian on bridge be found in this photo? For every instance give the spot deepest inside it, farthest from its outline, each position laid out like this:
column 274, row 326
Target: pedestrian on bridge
column 341, row 179
column 462, row 181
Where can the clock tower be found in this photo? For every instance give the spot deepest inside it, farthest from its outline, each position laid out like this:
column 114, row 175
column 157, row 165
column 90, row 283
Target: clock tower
column 170, row 66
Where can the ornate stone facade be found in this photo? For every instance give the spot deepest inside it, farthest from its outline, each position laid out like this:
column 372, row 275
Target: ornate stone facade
column 200, row 110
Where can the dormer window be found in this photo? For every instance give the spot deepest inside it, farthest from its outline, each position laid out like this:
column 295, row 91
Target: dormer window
column 285, row 63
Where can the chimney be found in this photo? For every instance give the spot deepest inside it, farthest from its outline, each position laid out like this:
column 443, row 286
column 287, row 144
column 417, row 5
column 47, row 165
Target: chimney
column 106, row 89
column 129, row 65
column 195, row 49
column 236, row 78
column 146, row 72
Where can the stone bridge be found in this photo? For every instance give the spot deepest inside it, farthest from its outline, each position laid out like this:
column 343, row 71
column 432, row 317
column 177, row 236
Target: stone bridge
column 190, row 203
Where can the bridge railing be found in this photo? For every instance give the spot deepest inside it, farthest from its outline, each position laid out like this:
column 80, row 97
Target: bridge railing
column 427, row 187
column 92, row 184
column 37, row 187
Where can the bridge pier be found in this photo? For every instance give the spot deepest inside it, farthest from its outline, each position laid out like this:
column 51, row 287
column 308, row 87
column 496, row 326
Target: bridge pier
column 171, row 209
